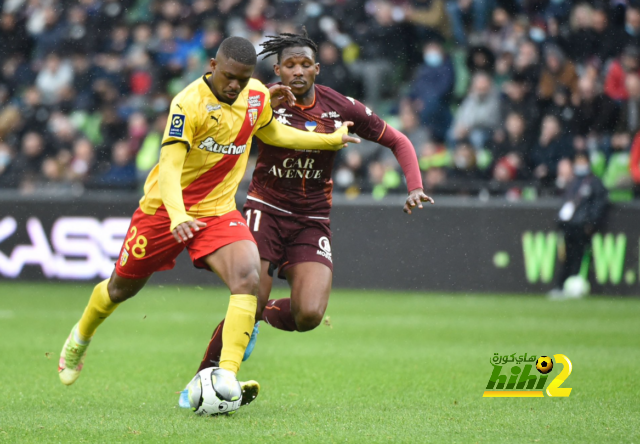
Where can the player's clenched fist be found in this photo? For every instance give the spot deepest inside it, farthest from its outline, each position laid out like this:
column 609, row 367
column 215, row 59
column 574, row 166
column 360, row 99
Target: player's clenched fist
column 184, row 231
column 415, row 198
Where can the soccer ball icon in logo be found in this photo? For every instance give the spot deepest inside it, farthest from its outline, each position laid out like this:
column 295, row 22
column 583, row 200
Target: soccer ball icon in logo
column 214, row 391
column 544, row 364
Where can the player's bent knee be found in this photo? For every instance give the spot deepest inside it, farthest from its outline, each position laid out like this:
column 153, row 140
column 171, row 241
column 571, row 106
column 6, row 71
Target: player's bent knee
column 246, row 281
column 308, row 319
column 119, row 293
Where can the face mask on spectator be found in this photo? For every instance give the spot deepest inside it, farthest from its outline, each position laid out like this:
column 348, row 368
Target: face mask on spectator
column 537, row 34
column 561, row 182
column 461, row 162
column 581, row 170
column 5, row 159
column 433, row 58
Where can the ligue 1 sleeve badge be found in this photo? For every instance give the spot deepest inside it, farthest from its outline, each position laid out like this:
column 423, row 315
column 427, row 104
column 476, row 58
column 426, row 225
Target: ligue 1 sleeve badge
column 177, row 125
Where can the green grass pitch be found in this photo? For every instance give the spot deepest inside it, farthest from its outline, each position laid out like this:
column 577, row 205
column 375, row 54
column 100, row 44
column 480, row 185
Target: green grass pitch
column 390, row 367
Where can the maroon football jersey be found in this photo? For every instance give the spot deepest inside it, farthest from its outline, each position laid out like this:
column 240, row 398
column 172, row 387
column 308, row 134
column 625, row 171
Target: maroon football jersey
column 299, row 182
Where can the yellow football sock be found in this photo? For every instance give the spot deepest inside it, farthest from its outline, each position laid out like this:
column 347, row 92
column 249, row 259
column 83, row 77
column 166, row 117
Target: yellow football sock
column 99, row 308
column 238, row 326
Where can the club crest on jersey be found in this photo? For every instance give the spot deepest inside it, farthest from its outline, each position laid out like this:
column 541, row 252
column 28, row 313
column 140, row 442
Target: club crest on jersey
column 310, row 126
column 124, row 258
column 254, row 101
column 253, row 115
column 176, row 128
column 210, row 145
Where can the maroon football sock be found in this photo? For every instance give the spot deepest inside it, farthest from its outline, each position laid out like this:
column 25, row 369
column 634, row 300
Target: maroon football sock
column 211, row 357
column 278, row 314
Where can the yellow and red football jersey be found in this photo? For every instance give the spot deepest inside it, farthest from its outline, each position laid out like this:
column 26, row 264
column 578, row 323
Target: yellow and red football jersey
column 218, row 136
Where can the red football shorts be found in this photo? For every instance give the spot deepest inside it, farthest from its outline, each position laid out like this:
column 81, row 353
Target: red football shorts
column 150, row 246
column 286, row 239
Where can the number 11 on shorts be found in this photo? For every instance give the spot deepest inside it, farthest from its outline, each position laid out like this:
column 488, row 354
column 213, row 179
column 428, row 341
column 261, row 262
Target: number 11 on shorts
column 256, row 223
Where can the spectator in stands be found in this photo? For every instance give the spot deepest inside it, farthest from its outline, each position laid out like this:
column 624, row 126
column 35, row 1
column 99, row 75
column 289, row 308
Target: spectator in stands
column 632, row 24
column 465, row 165
column 431, row 89
column 479, row 113
column 55, row 75
column 410, row 127
column 481, row 58
column 562, row 107
column 557, row 71
column 380, row 46
column 14, row 38
column 581, row 43
column 122, row 173
column 26, row 166
column 564, row 175
column 333, row 71
column 553, row 145
column 500, row 36
column 6, row 156
column 520, row 99
column 629, row 63
column 596, row 114
column 149, row 152
column 617, row 175
column 634, row 164
column 609, row 38
column 82, row 162
column 581, row 215
column 526, row 64
column 629, row 121
column 51, row 34
column 511, row 146
column 429, row 18
column 79, row 38
column 476, row 13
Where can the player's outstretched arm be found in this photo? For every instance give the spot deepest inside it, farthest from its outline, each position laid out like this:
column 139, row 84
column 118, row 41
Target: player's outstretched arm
column 170, row 172
column 405, row 153
column 277, row 134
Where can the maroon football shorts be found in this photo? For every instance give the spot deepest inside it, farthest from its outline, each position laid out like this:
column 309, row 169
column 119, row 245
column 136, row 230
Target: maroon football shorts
column 150, row 246
column 286, row 239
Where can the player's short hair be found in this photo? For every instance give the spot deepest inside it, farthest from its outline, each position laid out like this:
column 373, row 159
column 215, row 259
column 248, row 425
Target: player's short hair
column 239, row 49
column 278, row 43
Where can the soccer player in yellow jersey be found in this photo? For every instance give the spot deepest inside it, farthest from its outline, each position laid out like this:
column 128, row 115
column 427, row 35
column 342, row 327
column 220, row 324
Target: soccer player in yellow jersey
column 189, row 200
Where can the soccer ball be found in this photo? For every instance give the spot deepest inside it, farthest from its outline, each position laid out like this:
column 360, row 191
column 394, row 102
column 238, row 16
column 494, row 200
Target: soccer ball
column 576, row 287
column 214, row 391
column 544, row 364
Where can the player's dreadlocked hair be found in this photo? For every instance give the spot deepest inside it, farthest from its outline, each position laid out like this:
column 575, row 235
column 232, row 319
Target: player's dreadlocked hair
column 277, row 43
column 239, row 49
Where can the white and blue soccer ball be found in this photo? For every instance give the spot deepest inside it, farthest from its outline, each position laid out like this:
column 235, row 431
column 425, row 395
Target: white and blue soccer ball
column 576, row 287
column 214, row 391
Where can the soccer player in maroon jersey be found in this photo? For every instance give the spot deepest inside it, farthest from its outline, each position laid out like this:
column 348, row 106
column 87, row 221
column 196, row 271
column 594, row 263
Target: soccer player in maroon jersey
column 289, row 198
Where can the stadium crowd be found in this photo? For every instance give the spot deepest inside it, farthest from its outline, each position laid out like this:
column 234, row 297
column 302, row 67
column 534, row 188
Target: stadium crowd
column 496, row 95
